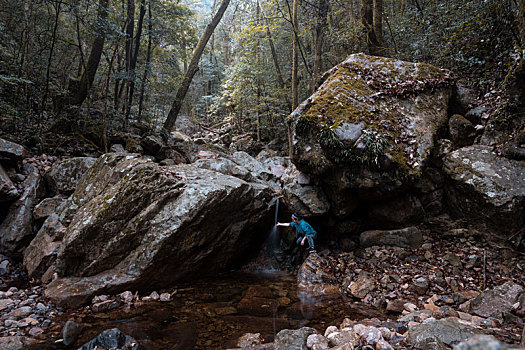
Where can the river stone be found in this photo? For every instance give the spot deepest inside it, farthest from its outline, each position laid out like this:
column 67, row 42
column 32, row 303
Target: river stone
column 111, row 339
column 70, row 332
column 482, row 342
column 401, row 211
column 486, row 188
column 12, row 151
column 410, row 237
column 63, row 177
column 187, row 221
column 436, row 334
column 288, row 339
column 494, row 302
column 408, row 123
column 313, row 278
column 17, row 228
column 8, row 191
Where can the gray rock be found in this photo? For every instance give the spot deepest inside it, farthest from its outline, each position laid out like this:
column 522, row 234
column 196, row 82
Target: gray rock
column 494, row 302
column 420, row 285
column 12, row 151
column 20, row 312
column 63, row 177
column 482, row 342
column 462, row 132
column 486, row 188
column 313, row 278
column 226, row 167
column 256, row 168
column 186, row 221
column 410, row 237
column 349, row 133
column 364, row 284
column 17, row 227
column 117, row 148
column 47, row 207
column 306, row 201
column 8, row 191
column 111, row 339
column 434, row 335
column 288, row 339
column 16, row 342
column 70, row 332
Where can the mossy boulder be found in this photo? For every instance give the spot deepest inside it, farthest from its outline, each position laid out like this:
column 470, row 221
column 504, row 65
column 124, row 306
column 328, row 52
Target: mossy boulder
column 369, row 129
column 141, row 226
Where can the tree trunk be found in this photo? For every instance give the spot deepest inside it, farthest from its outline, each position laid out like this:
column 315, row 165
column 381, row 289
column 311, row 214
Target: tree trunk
column 148, row 60
column 320, row 28
column 193, row 67
column 57, row 6
column 94, row 56
column 378, row 26
column 295, row 61
column 134, row 58
column 367, row 19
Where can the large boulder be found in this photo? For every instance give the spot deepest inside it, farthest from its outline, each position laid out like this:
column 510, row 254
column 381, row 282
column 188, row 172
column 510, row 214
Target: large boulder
column 11, row 151
column 484, row 187
column 314, row 277
column 8, row 191
column 63, row 177
column 368, row 130
column 141, row 226
column 410, row 237
column 16, row 231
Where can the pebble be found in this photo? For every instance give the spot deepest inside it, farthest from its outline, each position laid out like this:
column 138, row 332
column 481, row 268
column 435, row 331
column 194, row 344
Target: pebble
column 165, row 297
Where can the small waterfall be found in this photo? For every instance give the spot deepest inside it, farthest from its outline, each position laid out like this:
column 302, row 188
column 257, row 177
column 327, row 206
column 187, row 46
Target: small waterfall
column 273, row 238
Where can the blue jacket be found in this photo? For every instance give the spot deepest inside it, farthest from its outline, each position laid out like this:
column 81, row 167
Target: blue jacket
column 303, row 228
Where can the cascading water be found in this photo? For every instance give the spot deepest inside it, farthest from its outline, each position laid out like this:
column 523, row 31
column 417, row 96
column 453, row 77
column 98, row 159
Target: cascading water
column 273, row 238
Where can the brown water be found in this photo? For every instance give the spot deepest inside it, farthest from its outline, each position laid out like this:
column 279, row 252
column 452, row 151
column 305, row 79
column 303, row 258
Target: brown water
column 213, row 314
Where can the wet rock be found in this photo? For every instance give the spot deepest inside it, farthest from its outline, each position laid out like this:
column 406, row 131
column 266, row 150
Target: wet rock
column 8, row 191
column 288, row 339
column 496, row 301
column 250, row 339
column 482, row 342
column 47, row 207
column 364, row 284
column 63, row 177
column 112, row 338
column 12, row 151
column 486, row 188
column 314, row 279
column 70, row 332
column 410, row 237
column 345, row 97
column 398, row 212
column 435, row 335
column 17, row 227
column 253, row 305
column 180, row 208
column 462, row 132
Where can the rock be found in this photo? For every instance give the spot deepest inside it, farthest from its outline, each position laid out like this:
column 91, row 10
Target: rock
column 165, row 297
column 117, row 148
column 8, row 191
column 331, row 329
column 478, row 114
column 462, row 132
column 250, row 339
column 112, row 338
column 305, row 200
column 225, row 166
column 410, row 237
column 20, row 312
column 396, row 305
column 127, row 297
column 486, row 188
column 378, row 164
column 313, row 278
column 452, row 259
column 152, row 144
column 16, row 342
column 288, row 339
column 318, row 341
column 363, row 285
column 345, row 336
column 47, row 207
column 41, row 254
column 70, row 332
column 6, row 304
column 419, row 286
column 17, row 227
column 401, row 211
column 36, row 332
column 494, row 302
column 257, row 169
column 181, row 210
column 438, row 333
column 383, row 345
column 482, row 342
column 63, row 177
column 12, row 151
column 370, row 335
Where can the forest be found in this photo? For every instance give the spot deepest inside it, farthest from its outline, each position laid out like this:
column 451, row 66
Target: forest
column 262, row 174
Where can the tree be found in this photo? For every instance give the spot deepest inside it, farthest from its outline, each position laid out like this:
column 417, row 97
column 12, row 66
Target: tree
column 193, row 67
column 318, row 38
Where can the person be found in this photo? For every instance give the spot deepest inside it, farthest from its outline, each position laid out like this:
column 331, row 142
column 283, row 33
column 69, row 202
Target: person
column 304, row 232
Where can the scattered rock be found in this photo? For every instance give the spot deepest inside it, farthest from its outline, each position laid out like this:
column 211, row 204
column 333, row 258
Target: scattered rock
column 410, row 237
column 70, row 332
column 112, row 338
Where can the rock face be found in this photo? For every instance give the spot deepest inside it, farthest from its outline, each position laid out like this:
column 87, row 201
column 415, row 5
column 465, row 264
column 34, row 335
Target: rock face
column 369, row 129
column 8, row 190
column 16, row 231
column 484, row 187
column 10, row 150
column 142, row 226
column 410, row 237
column 63, row 177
